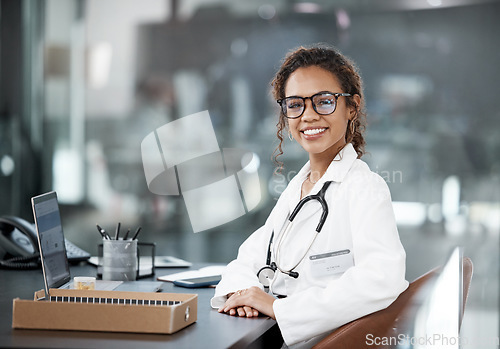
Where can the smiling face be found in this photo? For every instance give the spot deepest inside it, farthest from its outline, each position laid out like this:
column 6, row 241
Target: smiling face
column 319, row 135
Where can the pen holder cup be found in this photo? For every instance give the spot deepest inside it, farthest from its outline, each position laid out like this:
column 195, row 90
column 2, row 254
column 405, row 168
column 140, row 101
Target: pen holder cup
column 145, row 266
column 119, row 260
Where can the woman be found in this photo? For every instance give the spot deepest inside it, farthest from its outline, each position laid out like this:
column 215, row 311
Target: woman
column 355, row 264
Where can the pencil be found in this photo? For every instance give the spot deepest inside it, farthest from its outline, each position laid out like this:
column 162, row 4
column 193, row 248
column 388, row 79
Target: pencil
column 136, row 233
column 117, row 231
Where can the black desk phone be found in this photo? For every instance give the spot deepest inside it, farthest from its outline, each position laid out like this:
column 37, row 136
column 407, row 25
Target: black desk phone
column 19, row 243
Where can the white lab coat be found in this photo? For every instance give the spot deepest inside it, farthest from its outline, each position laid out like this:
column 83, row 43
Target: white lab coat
column 360, row 219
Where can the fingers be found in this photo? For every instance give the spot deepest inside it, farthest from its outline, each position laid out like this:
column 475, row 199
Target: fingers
column 236, row 305
column 249, row 312
column 242, row 312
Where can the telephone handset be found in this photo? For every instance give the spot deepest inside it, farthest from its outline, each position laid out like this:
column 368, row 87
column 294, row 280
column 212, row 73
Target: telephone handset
column 19, row 242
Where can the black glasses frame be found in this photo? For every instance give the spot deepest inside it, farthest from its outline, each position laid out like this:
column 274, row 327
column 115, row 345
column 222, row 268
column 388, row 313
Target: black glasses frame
column 284, row 108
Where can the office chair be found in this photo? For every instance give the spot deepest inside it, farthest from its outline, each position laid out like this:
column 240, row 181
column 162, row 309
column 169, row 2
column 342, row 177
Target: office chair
column 385, row 322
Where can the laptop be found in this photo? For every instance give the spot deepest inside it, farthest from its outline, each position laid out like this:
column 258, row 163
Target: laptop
column 55, row 265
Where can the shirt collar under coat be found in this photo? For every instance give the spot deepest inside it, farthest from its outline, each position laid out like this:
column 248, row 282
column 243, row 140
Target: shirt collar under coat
column 336, row 172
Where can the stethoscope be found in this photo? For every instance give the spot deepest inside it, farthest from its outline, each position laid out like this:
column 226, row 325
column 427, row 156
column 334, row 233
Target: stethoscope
column 266, row 273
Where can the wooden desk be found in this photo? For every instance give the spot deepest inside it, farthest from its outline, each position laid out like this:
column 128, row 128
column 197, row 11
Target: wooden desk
column 212, row 330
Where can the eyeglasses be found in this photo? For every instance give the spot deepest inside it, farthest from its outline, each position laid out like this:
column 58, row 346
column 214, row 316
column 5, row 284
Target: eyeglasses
column 323, row 103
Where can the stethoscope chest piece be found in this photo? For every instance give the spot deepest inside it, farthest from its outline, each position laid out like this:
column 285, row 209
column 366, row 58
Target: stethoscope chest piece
column 266, row 275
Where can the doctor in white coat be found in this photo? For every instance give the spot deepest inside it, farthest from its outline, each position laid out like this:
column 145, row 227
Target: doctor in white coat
column 312, row 278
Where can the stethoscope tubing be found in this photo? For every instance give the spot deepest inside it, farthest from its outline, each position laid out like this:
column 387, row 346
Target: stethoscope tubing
column 277, row 254
column 320, row 197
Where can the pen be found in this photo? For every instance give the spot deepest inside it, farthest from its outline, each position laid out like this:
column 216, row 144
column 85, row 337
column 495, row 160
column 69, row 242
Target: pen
column 117, row 231
column 126, row 234
column 102, row 232
column 136, row 233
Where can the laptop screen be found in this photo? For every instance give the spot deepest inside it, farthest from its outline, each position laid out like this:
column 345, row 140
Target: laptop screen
column 50, row 240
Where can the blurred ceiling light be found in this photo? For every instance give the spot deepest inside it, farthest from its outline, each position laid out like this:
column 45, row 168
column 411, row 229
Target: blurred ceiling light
column 307, row 7
column 99, row 63
column 409, row 213
column 343, row 20
column 266, row 11
column 435, row 3
column 451, row 197
column 67, row 169
column 7, row 165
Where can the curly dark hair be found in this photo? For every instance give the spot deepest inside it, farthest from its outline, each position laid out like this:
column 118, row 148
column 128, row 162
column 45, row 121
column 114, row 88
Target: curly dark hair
column 347, row 73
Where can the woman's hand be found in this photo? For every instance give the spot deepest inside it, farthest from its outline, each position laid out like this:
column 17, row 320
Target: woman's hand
column 249, row 303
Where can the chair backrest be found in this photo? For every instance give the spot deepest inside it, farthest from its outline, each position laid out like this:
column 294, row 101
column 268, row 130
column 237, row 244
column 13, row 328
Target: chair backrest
column 384, row 323
column 468, row 270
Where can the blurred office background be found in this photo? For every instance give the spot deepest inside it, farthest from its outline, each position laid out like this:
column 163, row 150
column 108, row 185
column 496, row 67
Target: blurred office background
column 84, row 81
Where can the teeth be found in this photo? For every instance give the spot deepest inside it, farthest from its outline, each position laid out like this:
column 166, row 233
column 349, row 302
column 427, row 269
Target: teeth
column 314, row 131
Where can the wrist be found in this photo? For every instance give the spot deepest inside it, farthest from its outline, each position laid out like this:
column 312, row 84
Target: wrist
column 271, row 311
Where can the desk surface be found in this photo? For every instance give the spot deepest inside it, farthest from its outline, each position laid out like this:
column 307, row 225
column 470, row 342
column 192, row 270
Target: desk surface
column 212, row 330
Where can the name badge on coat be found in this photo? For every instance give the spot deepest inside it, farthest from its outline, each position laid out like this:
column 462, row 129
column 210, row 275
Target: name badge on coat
column 331, row 263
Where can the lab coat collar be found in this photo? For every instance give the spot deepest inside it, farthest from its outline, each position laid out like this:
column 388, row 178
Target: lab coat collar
column 336, row 172
column 341, row 165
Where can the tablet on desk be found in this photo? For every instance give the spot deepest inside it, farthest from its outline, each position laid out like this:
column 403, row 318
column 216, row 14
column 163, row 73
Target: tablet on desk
column 209, row 271
column 202, row 281
column 171, row 262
